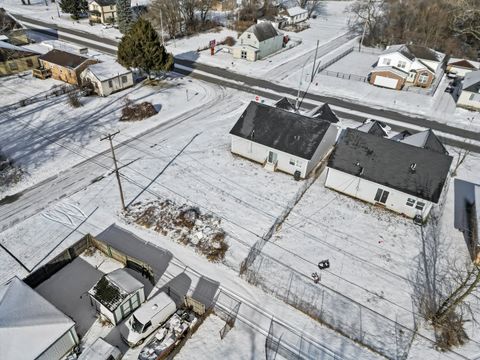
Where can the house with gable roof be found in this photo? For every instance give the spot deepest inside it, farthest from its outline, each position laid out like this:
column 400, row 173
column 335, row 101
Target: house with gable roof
column 470, row 93
column 282, row 140
column 31, row 327
column 258, row 41
column 401, row 65
column 405, row 174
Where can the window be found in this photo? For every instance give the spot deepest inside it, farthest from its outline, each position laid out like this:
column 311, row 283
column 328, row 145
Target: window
column 410, row 202
column 111, row 7
column 295, row 162
column 381, row 196
column 402, row 64
column 386, row 61
column 244, row 54
column 124, row 79
column 13, row 66
column 110, row 83
column 475, row 97
column 147, row 325
column 29, row 63
column 249, row 36
column 423, row 78
column 420, row 205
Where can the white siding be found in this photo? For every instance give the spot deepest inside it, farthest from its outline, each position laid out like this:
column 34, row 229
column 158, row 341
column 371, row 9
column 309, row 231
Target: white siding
column 285, row 162
column 103, row 88
column 61, row 347
column 395, row 59
column 366, row 190
column 464, row 100
column 264, row 48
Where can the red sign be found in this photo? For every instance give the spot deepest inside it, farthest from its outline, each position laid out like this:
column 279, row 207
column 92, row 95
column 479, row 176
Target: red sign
column 212, row 43
column 257, row 98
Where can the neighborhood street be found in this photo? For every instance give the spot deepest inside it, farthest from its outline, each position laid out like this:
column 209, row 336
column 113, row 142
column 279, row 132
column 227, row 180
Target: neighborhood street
column 266, row 88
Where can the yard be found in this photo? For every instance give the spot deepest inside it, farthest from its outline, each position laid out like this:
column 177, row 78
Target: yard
column 364, row 62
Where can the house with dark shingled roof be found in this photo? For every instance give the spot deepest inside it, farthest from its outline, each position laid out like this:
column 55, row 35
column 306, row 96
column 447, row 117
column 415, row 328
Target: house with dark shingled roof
column 258, row 41
column 407, row 64
column 282, row 140
column 405, row 174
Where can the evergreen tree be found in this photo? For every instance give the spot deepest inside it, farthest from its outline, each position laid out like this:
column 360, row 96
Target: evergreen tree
column 74, row 7
column 141, row 48
column 124, row 15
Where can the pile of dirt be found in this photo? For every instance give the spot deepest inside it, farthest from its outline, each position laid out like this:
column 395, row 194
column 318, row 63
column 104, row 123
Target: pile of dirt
column 10, row 174
column 137, row 112
column 184, row 224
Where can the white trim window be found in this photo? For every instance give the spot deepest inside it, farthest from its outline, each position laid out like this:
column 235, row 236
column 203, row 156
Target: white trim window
column 423, row 78
column 420, row 206
column 386, row 61
column 410, row 202
column 402, row 64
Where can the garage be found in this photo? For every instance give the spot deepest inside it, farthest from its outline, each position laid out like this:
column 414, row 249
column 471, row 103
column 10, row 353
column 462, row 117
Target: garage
column 386, row 82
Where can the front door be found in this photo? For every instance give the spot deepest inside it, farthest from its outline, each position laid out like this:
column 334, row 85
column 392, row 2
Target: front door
column 272, row 157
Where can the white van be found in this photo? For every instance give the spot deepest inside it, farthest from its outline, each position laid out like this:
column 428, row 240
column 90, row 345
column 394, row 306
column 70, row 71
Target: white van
column 147, row 318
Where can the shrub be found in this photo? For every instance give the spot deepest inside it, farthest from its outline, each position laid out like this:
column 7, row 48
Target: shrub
column 136, row 112
column 74, row 99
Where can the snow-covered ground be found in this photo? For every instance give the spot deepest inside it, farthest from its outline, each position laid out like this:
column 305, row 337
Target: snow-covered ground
column 54, row 15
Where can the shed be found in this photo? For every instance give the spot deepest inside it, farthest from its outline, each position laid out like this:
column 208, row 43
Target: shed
column 107, row 77
column 30, row 326
column 116, row 295
column 282, row 140
column 295, row 14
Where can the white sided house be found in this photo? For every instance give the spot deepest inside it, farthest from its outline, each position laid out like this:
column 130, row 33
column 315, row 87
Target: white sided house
column 258, row 41
column 461, row 67
column 406, row 176
column 470, row 95
column 401, row 65
column 31, row 327
column 116, row 295
column 107, row 77
column 467, row 215
column 282, row 140
column 295, row 15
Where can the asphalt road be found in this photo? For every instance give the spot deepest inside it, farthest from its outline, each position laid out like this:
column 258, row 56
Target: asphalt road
column 264, row 88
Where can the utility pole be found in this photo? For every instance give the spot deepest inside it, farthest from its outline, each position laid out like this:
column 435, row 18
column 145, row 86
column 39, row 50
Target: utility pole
column 110, row 137
column 314, row 62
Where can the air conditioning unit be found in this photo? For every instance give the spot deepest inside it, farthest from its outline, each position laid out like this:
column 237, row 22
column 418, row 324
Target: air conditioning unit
column 297, row 175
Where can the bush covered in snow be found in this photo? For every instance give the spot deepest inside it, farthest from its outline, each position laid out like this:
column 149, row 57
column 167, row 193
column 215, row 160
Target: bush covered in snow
column 185, row 224
column 9, row 173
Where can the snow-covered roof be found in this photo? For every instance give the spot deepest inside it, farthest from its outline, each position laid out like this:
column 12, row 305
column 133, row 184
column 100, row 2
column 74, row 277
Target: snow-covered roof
column 114, row 287
column 471, row 82
column 372, row 127
column 425, row 139
column 152, row 307
column 100, row 350
column 29, row 324
column 411, row 52
column 464, row 63
column 296, row 10
column 107, row 70
column 263, row 31
column 393, row 69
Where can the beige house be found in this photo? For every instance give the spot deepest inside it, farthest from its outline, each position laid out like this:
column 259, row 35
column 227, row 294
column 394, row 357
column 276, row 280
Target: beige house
column 470, row 95
column 224, row 5
column 258, row 41
column 65, row 66
column 102, row 11
column 15, row 59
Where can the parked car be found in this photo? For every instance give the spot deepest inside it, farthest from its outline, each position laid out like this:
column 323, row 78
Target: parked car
column 146, row 319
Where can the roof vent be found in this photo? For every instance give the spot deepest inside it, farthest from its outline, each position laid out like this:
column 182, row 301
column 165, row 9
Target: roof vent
column 154, row 307
column 413, row 166
column 252, row 135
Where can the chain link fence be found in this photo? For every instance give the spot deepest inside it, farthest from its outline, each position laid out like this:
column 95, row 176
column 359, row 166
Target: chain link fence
column 343, row 314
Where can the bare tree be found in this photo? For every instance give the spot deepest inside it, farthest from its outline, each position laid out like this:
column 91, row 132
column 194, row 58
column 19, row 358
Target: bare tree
column 442, row 285
column 204, row 6
column 367, row 17
column 310, row 5
column 466, row 18
column 166, row 13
